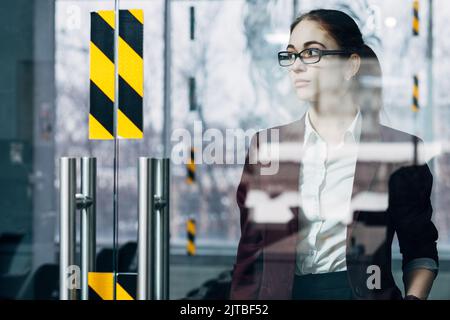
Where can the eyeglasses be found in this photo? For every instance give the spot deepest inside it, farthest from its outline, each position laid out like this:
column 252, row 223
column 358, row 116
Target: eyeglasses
column 307, row 56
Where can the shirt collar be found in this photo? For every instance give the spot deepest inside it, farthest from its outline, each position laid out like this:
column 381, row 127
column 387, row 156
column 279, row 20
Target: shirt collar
column 353, row 131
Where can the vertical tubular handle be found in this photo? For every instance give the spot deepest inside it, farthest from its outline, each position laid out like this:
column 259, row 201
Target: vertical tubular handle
column 88, row 222
column 165, row 220
column 153, row 238
column 145, row 264
column 67, row 227
column 160, row 215
column 157, row 186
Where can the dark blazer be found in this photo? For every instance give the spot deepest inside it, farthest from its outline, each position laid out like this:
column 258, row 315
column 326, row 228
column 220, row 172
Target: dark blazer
column 266, row 257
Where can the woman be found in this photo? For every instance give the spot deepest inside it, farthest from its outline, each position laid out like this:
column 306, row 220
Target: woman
column 325, row 251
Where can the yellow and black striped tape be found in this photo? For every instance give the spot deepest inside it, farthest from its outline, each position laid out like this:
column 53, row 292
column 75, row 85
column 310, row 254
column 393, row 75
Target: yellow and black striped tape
column 101, row 286
column 415, row 24
column 190, row 166
column 415, row 101
column 190, row 247
column 131, row 75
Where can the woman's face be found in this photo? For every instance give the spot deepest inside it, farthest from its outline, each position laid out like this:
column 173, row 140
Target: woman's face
column 328, row 76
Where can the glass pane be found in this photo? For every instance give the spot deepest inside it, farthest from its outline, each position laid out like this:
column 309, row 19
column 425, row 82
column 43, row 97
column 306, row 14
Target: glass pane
column 72, row 86
column 225, row 85
column 239, row 85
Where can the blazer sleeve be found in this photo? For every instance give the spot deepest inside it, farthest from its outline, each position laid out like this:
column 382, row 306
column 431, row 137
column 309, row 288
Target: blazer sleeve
column 410, row 211
column 247, row 271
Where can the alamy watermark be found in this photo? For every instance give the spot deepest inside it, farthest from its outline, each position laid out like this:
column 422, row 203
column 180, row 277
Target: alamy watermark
column 213, row 146
column 73, row 277
column 374, row 280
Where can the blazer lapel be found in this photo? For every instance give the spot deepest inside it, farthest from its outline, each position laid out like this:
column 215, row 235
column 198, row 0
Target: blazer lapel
column 365, row 170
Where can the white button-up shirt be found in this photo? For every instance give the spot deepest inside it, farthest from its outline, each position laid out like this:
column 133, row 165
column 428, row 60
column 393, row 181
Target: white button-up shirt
column 326, row 183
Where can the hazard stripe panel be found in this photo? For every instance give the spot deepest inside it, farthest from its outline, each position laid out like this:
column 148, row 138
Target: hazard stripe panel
column 101, row 286
column 190, row 246
column 416, row 20
column 101, row 75
column 415, row 103
column 190, row 166
column 131, row 71
column 131, row 75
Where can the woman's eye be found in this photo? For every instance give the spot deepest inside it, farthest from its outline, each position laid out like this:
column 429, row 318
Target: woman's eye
column 310, row 52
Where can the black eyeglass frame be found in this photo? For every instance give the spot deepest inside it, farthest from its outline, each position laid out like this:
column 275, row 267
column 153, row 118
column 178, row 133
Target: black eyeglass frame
column 321, row 54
